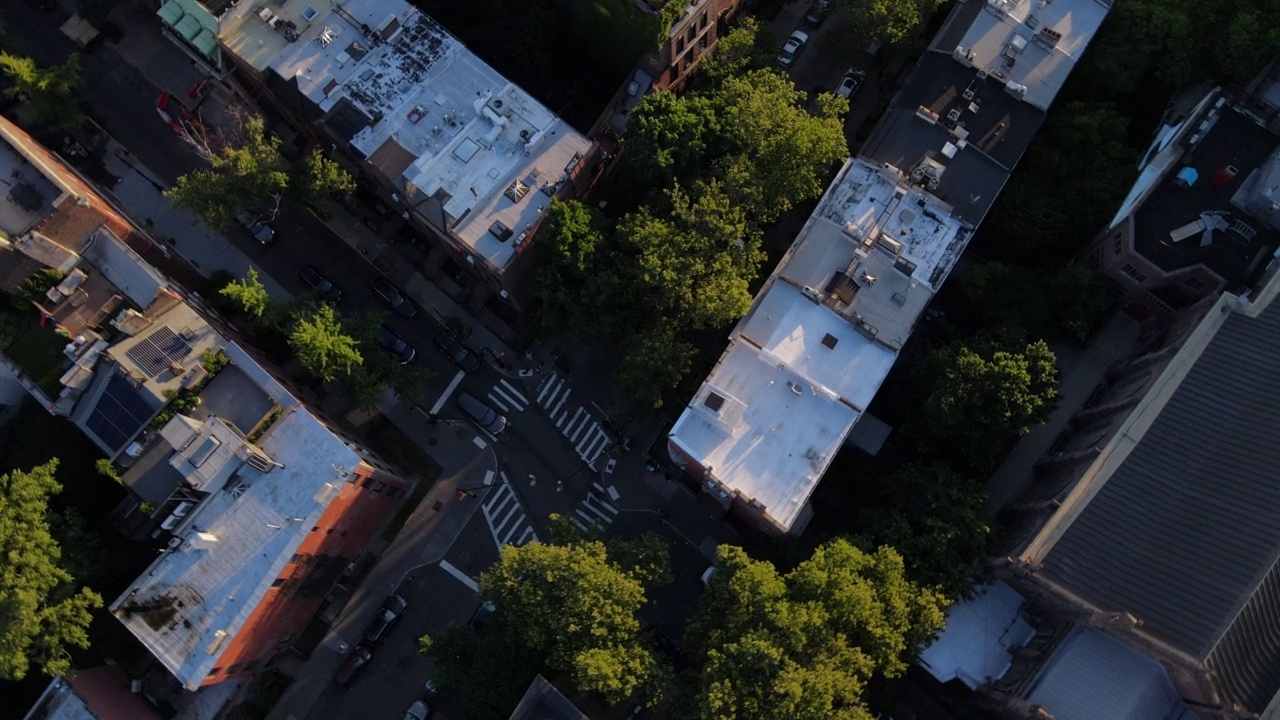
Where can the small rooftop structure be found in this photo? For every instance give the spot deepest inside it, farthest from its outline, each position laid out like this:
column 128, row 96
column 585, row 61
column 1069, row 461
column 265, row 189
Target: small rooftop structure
column 976, row 645
column 197, row 595
column 470, row 151
column 542, row 701
column 101, row 693
column 1093, row 675
column 1031, row 45
column 819, row 340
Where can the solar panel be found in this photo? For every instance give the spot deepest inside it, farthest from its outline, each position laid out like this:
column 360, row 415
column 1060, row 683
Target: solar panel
column 120, row 412
column 157, row 351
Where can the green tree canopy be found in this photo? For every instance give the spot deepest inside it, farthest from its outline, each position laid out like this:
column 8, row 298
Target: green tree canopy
column 320, row 182
column 656, row 360
column 803, row 645
column 778, row 153
column 323, row 346
column 245, row 175
column 50, row 92
column 249, row 294
column 985, row 394
column 936, row 520
column 698, row 257
column 578, row 609
column 42, row 613
column 670, row 137
column 585, row 286
column 748, row 46
column 894, row 20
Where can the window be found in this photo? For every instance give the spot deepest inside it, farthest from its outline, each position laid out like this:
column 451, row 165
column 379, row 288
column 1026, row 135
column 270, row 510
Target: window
column 1134, row 273
column 693, row 32
column 714, row 402
column 702, row 21
column 1117, row 245
column 277, row 582
column 296, row 557
column 215, row 671
column 315, row 528
column 379, row 487
column 367, row 482
column 235, row 668
column 679, row 46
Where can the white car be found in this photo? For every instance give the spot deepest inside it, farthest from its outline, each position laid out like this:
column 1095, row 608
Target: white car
column 850, row 83
column 792, row 48
column 417, row 711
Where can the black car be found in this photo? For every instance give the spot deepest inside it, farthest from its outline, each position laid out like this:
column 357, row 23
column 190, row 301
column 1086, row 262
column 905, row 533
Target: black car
column 394, row 298
column 351, row 667
column 457, row 352
column 390, row 612
column 396, row 345
column 320, row 285
column 481, row 616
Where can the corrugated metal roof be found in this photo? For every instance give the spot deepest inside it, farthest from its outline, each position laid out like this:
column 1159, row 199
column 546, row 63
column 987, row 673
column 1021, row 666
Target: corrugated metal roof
column 1183, row 534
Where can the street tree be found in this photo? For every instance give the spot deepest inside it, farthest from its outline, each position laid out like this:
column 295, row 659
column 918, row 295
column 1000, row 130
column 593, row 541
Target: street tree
column 778, row 153
column 803, row 645
column 936, row 520
column 323, row 346
column 894, row 20
column 671, row 137
column 585, row 285
column 697, row 257
column 42, row 611
column 249, row 294
column 580, row 612
column 656, row 360
column 320, row 182
column 245, row 175
column 50, row 92
column 748, row 46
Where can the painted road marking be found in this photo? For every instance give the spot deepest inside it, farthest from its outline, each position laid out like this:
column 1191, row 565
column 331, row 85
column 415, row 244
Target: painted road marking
column 462, row 577
column 448, row 391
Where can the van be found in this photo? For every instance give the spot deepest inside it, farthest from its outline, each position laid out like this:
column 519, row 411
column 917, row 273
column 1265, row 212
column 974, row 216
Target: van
column 483, row 415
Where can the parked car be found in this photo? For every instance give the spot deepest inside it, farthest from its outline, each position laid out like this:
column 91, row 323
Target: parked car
column 483, row 415
column 419, row 710
column 850, row 83
column 258, row 228
column 396, row 345
column 390, row 612
column 481, row 616
column 817, row 13
column 352, row 666
column 457, row 352
column 792, row 47
column 322, row 286
column 394, row 298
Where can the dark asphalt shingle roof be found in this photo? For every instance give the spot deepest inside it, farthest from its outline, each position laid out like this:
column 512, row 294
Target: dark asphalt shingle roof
column 1184, row 533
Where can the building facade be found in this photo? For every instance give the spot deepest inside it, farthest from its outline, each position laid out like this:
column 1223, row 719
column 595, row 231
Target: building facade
column 694, row 34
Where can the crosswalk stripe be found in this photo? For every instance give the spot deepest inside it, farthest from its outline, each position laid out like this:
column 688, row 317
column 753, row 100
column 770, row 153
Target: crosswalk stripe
column 546, row 386
column 563, row 398
column 570, row 431
column 488, row 477
column 505, row 395
column 597, row 500
column 606, row 518
column 590, row 521
column 560, row 421
column 498, row 402
column 527, row 536
column 513, row 391
column 597, row 446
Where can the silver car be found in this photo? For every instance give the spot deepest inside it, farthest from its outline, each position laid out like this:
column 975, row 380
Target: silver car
column 792, row 47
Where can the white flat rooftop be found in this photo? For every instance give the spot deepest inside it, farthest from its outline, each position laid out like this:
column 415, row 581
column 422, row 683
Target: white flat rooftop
column 196, row 596
column 1032, row 43
column 820, row 338
column 436, row 117
column 816, row 344
column 772, row 437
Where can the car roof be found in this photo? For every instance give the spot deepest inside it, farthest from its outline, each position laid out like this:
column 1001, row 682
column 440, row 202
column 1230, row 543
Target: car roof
column 800, row 35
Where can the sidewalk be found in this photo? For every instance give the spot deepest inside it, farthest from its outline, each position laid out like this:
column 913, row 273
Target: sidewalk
column 1114, row 342
column 427, row 534
column 139, row 193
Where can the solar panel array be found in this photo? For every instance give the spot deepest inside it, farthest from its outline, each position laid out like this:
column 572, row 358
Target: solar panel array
column 121, row 411
column 157, row 351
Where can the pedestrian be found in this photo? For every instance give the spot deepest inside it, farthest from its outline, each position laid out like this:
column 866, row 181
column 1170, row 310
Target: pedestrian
column 559, row 486
column 533, row 480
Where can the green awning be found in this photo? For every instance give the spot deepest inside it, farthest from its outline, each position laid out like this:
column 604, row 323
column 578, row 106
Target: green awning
column 188, row 27
column 206, row 43
column 171, row 12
